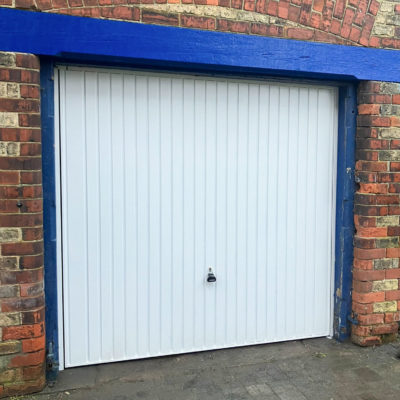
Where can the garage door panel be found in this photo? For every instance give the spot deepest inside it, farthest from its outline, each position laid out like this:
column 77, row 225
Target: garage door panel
column 165, row 176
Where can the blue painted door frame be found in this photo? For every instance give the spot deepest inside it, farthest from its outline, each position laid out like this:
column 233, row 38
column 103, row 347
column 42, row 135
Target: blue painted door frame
column 344, row 204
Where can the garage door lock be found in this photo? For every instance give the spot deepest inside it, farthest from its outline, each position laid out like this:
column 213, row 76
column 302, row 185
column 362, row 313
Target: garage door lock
column 211, row 277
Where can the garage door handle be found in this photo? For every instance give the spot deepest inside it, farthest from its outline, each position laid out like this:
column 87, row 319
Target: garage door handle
column 211, row 277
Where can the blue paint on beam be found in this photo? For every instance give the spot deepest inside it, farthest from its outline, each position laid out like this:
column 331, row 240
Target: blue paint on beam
column 86, row 39
column 344, row 211
column 49, row 215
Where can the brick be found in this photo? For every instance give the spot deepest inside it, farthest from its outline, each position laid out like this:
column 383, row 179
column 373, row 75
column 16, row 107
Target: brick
column 369, row 109
column 8, row 119
column 266, row 30
column 31, row 289
column 368, row 297
column 392, row 253
column 10, row 347
column 9, row 290
column 33, row 234
column 370, row 210
column 36, row 385
column 9, row 178
column 30, row 149
column 373, row 144
column 392, row 220
column 362, row 275
column 32, row 177
column 339, row 8
column 33, row 317
column 10, row 375
column 23, row 332
column 151, row 17
column 29, row 120
column 384, row 329
column 392, row 273
column 300, row 33
column 385, row 306
column 28, row 262
column 387, row 242
column 22, row 248
column 7, row 59
column 374, row 7
column 293, row 13
column 362, row 309
column 388, row 200
column 318, row 5
column 392, row 317
column 368, row 254
column 19, row 220
column 17, row 105
column 365, row 222
column 233, row 26
column 25, row 276
column 8, row 263
column 371, row 319
column 394, row 188
column 8, row 149
column 32, row 345
column 10, row 235
column 10, row 319
column 366, row 341
column 366, row 177
column 33, row 372
column 372, row 232
column 361, row 330
column 198, row 22
column 364, row 243
column 363, row 264
column 373, row 188
column 392, row 295
column 375, row 98
column 362, row 286
column 386, row 263
column 22, row 304
column 28, row 359
column 29, row 92
column 386, row 284
column 373, row 120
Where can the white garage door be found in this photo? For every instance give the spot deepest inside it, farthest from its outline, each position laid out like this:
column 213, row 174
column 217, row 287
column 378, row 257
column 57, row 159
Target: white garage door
column 164, row 176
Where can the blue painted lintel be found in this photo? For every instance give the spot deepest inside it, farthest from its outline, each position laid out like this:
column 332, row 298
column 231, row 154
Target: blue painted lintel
column 84, row 39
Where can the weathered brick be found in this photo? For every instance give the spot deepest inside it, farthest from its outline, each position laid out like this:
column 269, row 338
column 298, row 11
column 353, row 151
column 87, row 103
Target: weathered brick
column 386, row 263
column 385, row 306
column 8, row 119
column 10, row 319
column 387, row 284
column 9, row 290
column 7, row 59
column 391, row 220
column 387, row 242
column 9, row 149
column 10, row 347
column 10, row 375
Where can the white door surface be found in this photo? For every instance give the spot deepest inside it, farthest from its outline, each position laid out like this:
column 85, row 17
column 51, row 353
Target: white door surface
column 164, row 176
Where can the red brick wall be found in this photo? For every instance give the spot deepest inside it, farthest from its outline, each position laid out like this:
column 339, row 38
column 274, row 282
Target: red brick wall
column 22, row 344
column 331, row 21
column 376, row 294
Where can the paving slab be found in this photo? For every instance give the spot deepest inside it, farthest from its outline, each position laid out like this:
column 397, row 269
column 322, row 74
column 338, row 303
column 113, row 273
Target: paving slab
column 315, row 369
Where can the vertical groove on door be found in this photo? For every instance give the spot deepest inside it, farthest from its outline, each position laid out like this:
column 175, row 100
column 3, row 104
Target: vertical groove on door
column 164, row 176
